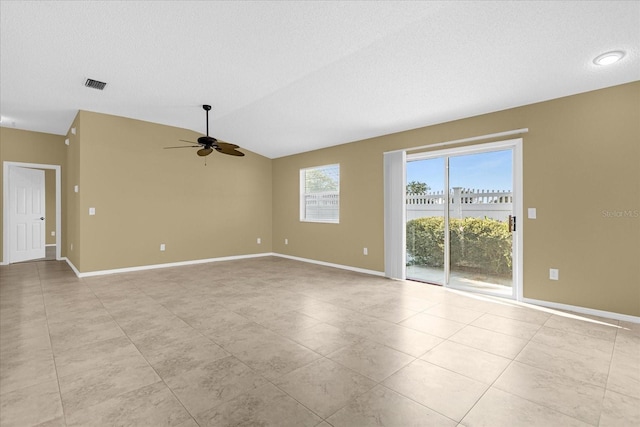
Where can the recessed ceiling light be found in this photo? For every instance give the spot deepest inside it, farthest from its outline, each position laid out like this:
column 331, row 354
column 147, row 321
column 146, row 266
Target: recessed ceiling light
column 609, row 57
column 5, row 121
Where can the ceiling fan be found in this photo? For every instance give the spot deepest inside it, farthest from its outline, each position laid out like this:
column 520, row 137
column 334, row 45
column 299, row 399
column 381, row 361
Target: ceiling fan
column 207, row 144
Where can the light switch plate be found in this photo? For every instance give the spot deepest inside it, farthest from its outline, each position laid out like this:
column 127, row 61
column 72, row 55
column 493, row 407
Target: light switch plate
column 92, row 211
column 531, row 213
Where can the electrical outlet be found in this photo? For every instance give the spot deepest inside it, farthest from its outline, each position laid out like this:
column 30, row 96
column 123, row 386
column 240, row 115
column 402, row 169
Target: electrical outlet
column 286, row 241
column 554, row 274
column 259, row 240
column 53, row 233
column 162, row 247
column 71, row 247
column 365, row 251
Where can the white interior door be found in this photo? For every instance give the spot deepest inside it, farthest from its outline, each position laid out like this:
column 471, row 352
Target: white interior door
column 26, row 214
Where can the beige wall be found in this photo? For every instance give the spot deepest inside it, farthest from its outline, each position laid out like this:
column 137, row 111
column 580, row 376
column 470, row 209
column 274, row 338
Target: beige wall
column 581, row 160
column 145, row 195
column 35, row 147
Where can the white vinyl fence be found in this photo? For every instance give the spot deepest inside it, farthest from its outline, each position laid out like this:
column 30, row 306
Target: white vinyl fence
column 322, row 206
column 463, row 203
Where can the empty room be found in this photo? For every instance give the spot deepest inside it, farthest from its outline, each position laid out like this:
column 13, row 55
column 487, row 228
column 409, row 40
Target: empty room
column 320, row 213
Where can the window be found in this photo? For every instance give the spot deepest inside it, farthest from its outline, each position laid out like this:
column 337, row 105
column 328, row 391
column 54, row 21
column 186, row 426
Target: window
column 320, row 194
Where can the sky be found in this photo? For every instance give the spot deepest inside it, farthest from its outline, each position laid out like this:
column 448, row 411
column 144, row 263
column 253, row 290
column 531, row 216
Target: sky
column 484, row 171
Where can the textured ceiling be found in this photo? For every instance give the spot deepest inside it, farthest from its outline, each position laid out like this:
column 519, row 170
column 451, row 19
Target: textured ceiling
column 288, row 77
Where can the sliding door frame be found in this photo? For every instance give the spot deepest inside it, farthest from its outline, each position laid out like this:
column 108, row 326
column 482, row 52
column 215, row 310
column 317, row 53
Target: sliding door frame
column 512, row 144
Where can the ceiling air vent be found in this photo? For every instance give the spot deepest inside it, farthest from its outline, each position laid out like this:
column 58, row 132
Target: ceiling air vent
column 95, row 84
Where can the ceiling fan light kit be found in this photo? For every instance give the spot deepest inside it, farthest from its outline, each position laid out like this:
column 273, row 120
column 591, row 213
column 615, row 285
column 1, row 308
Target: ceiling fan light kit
column 206, row 144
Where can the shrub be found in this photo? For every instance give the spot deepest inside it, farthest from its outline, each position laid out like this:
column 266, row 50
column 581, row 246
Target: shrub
column 425, row 241
column 476, row 243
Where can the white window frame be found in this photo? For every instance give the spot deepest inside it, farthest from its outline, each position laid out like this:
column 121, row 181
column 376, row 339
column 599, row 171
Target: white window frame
column 303, row 210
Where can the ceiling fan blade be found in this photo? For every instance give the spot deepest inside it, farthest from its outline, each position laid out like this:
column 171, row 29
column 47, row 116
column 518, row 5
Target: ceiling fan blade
column 184, row 146
column 190, row 142
column 226, row 144
column 204, row 152
column 229, row 150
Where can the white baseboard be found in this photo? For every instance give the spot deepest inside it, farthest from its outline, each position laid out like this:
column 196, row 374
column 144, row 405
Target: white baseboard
column 166, row 265
column 329, row 264
column 229, row 258
column 73, row 267
column 583, row 310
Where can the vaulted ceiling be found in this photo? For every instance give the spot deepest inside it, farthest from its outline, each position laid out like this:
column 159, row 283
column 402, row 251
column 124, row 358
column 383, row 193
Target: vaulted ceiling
column 287, row 77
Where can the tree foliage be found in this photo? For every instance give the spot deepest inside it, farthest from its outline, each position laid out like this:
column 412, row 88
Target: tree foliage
column 317, row 181
column 416, row 187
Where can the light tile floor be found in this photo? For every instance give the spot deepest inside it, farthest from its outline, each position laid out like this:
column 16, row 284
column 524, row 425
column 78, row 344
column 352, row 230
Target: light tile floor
column 275, row 342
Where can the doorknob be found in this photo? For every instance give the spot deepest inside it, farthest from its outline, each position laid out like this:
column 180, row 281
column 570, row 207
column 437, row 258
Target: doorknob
column 42, row 218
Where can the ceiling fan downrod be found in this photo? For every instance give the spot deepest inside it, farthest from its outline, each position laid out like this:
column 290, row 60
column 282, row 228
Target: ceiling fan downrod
column 207, row 108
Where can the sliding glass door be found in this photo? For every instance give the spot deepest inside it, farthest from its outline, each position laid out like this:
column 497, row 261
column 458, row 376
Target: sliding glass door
column 426, row 202
column 460, row 219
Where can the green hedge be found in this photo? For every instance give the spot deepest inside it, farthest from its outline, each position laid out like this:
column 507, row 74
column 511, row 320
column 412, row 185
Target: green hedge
column 476, row 243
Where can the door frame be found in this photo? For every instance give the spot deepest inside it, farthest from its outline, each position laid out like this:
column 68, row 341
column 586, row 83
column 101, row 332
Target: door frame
column 516, row 146
column 5, row 205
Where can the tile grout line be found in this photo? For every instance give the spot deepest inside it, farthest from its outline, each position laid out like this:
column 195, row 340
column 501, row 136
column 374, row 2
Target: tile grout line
column 513, row 360
column 542, row 369
column 53, row 357
column 606, row 384
column 142, row 355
